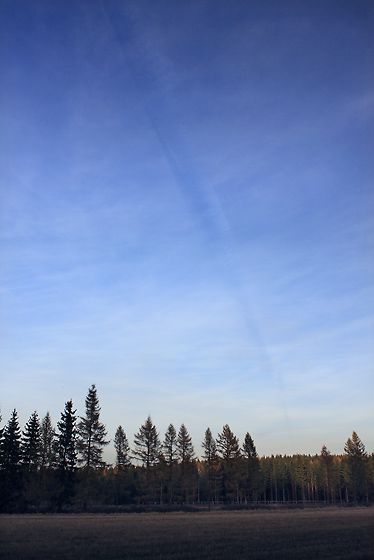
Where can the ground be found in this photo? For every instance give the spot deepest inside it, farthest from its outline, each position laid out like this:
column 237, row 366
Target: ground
column 293, row 534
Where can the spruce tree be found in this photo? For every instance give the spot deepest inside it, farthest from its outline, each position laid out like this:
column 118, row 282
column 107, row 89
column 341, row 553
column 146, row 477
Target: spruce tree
column 147, row 445
column 170, row 445
column 356, row 467
column 31, row 444
column 91, row 433
column 210, row 455
column 66, row 459
column 253, row 466
column 170, row 454
column 66, row 454
column 185, row 448
column 10, row 465
column 228, row 444
column 48, row 443
column 209, row 445
column 122, row 449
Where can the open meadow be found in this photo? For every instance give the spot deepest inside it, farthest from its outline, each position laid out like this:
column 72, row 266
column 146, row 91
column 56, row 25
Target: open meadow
column 292, row 534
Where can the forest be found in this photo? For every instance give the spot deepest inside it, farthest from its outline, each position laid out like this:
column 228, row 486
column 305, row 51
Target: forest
column 47, row 469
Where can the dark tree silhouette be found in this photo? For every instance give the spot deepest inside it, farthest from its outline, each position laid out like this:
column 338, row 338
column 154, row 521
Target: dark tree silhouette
column 185, row 450
column 10, row 465
column 91, row 433
column 122, row 449
column 147, row 445
column 31, row 444
column 228, row 444
column 66, row 440
column 48, row 443
column 209, row 445
column 66, row 459
column 356, row 467
column 169, row 445
column 252, row 466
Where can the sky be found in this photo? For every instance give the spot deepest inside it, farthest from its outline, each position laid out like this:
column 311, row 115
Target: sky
column 186, row 216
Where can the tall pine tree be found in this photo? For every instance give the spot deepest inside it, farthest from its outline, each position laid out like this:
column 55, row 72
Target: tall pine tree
column 31, row 444
column 122, row 449
column 356, row 467
column 66, row 454
column 48, row 443
column 91, row 433
column 228, row 444
column 147, row 445
column 10, row 465
column 66, row 459
column 185, row 448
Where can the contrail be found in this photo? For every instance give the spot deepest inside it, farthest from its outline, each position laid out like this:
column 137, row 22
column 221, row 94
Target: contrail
column 151, row 69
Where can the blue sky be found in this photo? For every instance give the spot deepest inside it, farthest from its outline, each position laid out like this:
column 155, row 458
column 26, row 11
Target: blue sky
column 187, row 216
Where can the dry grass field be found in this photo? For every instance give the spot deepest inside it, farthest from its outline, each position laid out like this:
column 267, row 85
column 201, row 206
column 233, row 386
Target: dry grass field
column 293, row 534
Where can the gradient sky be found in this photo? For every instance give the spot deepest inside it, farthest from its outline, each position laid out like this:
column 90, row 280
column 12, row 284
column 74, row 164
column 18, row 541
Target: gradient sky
column 187, row 216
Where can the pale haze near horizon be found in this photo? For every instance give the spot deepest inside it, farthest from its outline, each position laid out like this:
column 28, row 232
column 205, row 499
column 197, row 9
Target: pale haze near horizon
column 187, row 217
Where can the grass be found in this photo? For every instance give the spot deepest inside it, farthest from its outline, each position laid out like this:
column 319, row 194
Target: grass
column 302, row 534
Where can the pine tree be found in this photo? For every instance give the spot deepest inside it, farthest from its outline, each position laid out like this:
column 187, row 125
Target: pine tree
column 48, row 443
column 228, row 444
column 10, row 464
column 252, row 466
column 209, row 445
column 122, row 449
column 31, row 444
column 170, row 445
column 170, row 455
column 91, row 433
column 147, row 445
column 185, row 450
column 210, row 454
column 357, row 467
column 326, row 460
column 66, row 440
column 66, row 454
column 249, row 448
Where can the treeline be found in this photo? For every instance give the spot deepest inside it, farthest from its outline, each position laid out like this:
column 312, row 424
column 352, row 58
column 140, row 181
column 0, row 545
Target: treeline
column 62, row 469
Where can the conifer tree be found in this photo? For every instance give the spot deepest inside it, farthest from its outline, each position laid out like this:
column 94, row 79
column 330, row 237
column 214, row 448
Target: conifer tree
column 210, row 455
column 66, row 455
column 31, row 444
column 122, row 449
column 48, row 442
column 66, row 440
column 10, row 464
column 228, row 444
column 185, row 450
column 170, row 455
column 147, row 445
column 357, row 467
column 253, row 466
column 170, row 445
column 209, row 445
column 326, row 460
column 91, row 433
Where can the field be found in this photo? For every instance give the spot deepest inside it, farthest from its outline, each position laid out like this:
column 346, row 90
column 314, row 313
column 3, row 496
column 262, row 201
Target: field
column 292, row 534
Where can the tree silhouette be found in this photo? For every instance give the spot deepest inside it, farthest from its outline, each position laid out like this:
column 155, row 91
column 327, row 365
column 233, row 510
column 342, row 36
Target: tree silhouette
column 228, row 444
column 10, row 464
column 66, row 440
column 147, row 445
column 185, row 450
column 122, row 449
column 48, row 443
column 66, row 459
column 91, row 433
column 31, row 443
column 356, row 467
